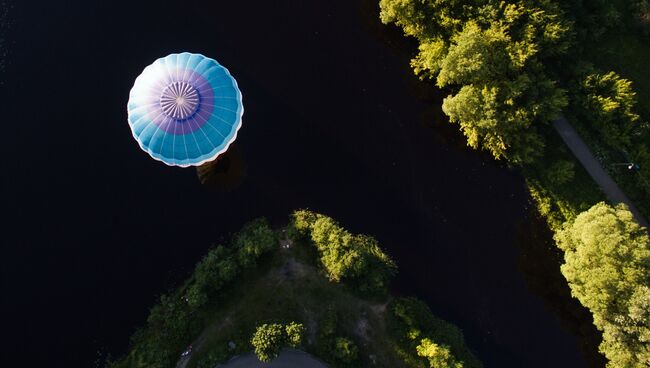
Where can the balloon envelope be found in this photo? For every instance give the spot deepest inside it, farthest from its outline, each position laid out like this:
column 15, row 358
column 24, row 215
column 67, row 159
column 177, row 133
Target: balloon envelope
column 185, row 109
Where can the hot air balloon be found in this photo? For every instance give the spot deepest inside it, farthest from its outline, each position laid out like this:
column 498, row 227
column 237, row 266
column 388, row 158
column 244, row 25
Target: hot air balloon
column 185, row 109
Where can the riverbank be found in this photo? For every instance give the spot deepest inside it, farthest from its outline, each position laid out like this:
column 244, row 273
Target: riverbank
column 504, row 100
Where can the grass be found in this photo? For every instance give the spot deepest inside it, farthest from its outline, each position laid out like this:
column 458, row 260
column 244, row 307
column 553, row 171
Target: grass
column 289, row 287
column 559, row 202
column 635, row 186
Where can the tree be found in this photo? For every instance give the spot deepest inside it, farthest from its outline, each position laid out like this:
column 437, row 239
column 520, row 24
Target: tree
column 429, row 18
column 607, row 265
column 356, row 259
column 268, row 340
column 415, row 330
column 476, row 56
column 215, row 270
column 438, row 356
column 255, row 239
column 490, row 121
column 495, row 52
column 608, row 102
column 295, row 333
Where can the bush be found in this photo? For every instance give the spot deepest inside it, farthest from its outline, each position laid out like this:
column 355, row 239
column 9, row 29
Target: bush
column 345, row 351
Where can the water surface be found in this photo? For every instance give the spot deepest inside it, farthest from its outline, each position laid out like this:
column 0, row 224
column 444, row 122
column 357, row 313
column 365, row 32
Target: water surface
column 334, row 121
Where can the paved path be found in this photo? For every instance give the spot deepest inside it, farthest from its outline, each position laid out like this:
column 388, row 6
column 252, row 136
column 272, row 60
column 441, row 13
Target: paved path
column 287, row 359
column 593, row 167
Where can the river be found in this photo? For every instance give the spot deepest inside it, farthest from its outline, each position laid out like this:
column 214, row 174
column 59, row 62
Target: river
column 334, row 121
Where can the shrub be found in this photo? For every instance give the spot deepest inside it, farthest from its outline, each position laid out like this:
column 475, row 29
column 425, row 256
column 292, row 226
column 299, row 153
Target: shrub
column 345, row 351
column 255, row 239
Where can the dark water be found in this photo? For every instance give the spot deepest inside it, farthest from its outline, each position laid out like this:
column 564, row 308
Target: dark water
column 94, row 229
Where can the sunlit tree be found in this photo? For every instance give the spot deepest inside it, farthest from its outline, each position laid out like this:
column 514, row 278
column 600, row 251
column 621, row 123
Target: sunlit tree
column 607, row 264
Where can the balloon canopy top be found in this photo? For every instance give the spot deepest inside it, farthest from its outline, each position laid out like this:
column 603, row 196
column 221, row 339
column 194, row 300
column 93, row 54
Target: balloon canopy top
column 185, row 109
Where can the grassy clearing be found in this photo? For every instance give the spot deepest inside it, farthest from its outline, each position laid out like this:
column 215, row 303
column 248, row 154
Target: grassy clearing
column 289, row 287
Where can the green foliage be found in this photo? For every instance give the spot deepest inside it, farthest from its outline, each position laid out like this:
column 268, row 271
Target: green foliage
column 216, row 269
column 607, row 264
column 170, row 327
column 295, row 333
column 428, row 62
column 175, row 320
column 496, row 126
column 439, row 356
column 560, row 172
column 494, row 51
column 415, row 331
column 268, row 340
column 255, row 239
column 475, row 55
column 212, row 359
column 328, row 323
column 356, row 259
column 604, row 110
column 607, row 101
column 429, row 18
column 345, row 351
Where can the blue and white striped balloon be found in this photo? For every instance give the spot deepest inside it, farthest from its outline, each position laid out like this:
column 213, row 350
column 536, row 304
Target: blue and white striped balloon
column 185, row 109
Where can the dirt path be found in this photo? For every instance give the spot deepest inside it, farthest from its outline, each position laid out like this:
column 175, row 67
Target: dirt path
column 593, row 167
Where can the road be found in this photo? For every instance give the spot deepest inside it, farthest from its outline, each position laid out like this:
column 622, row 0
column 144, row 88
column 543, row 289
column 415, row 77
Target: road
column 594, row 168
column 287, row 359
